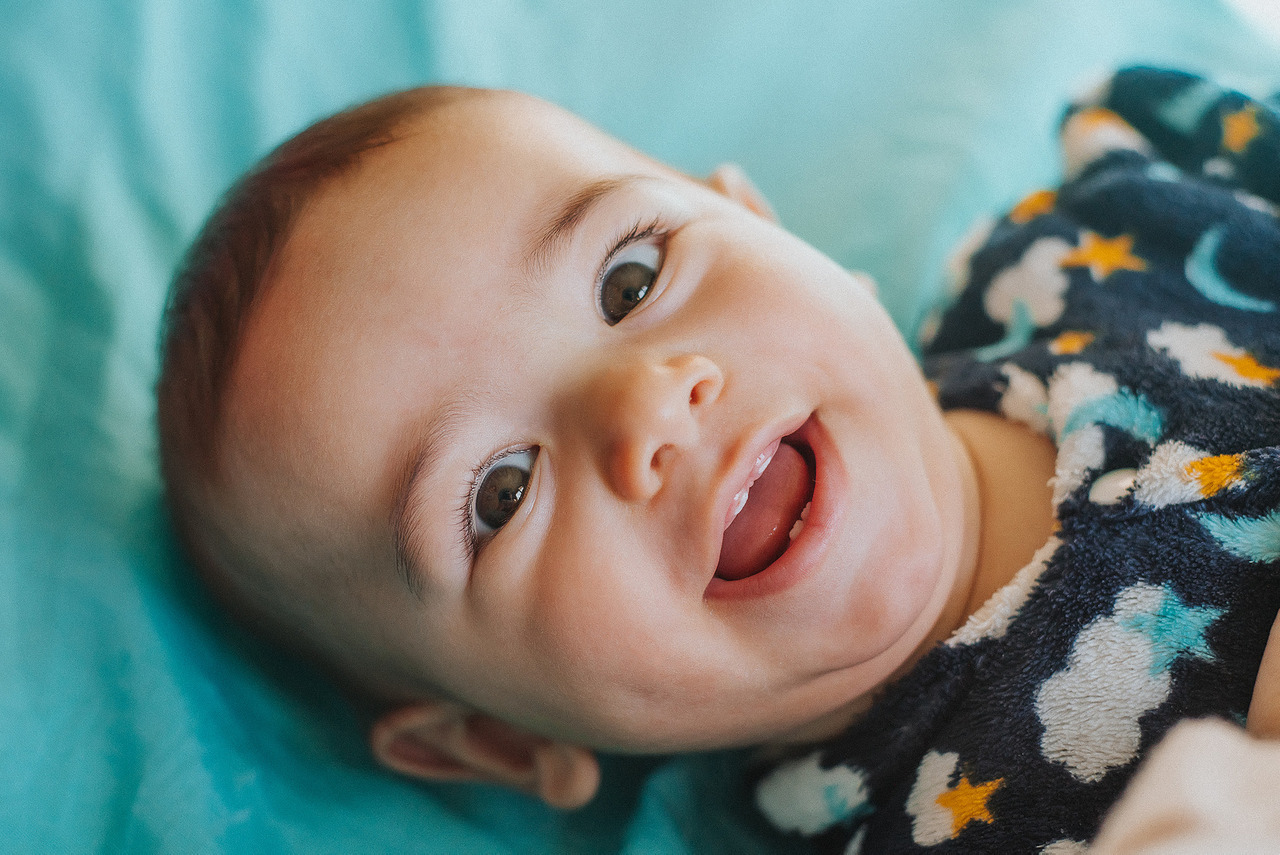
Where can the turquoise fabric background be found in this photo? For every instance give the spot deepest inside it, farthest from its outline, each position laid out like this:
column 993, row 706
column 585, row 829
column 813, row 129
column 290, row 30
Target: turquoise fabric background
column 132, row 717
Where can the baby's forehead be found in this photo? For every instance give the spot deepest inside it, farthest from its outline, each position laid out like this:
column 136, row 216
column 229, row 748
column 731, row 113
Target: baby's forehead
column 475, row 180
column 498, row 142
column 518, row 127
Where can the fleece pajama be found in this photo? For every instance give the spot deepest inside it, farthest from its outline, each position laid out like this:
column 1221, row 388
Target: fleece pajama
column 1132, row 315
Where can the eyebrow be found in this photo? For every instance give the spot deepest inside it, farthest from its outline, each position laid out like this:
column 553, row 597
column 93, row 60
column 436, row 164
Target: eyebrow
column 440, row 433
column 551, row 238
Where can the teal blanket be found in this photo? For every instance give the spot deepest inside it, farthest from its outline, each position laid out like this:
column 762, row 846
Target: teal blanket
column 133, row 718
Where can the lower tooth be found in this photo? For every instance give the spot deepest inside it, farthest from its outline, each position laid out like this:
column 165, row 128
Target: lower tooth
column 799, row 524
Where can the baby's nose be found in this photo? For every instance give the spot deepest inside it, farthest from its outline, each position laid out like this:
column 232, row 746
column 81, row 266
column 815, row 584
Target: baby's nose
column 647, row 414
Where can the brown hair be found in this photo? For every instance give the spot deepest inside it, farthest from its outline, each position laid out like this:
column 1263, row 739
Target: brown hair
column 217, row 285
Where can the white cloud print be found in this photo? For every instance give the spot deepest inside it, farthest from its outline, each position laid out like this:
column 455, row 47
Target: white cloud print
column 1037, row 281
column 1205, row 351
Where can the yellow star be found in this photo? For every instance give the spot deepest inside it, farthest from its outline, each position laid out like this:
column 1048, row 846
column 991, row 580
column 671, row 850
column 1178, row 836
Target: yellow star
column 1240, row 128
column 1104, row 256
column 1092, row 118
column 1248, row 367
column 1070, row 343
column 968, row 803
column 1216, row 473
column 1039, row 202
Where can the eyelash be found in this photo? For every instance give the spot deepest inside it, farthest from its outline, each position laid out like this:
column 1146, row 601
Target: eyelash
column 640, row 231
column 465, row 523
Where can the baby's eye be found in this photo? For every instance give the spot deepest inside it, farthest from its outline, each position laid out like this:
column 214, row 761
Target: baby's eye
column 500, row 491
column 629, row 280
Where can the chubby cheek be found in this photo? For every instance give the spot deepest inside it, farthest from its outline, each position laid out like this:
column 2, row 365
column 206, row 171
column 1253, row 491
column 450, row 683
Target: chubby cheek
column 807, row 273
column 596, row 599
column 622, row 642
column 818, row 296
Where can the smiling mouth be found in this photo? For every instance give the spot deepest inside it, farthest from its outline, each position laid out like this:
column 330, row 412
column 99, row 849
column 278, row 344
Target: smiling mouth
column 769, row 511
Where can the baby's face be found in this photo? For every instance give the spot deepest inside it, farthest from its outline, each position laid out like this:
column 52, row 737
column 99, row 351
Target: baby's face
column 518, row 377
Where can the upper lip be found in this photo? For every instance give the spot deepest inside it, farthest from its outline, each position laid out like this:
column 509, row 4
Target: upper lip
column 738, row 474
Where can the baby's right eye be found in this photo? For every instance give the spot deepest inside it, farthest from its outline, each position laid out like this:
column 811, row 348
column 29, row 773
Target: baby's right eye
column 499, row 491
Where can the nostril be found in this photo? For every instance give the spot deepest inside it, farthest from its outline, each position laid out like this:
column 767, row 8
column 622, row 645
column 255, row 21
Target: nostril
column 659, row 457
column 702, row 391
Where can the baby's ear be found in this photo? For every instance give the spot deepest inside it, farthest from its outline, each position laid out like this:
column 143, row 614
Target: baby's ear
column 444, row 741
column 729, row 180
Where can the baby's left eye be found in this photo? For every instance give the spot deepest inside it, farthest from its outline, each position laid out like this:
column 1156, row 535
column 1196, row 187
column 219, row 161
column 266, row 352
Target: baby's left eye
column 629, row 280
column 500, row 491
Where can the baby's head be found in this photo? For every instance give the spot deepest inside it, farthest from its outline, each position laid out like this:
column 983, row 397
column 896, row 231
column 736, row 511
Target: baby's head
column 460, row 395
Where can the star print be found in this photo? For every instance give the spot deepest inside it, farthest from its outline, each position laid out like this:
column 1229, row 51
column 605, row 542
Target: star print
column 1215, row 474
column 1173, row 629
column 1070, row 343
column 1251, row 538
column 1092, row 118
column 1248, row 367
column 1104, row 256
column 1039, row 202
column 1240, row 128
column 968, row 803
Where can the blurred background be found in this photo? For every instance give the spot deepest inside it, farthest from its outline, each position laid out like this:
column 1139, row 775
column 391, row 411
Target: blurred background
column 132, row 717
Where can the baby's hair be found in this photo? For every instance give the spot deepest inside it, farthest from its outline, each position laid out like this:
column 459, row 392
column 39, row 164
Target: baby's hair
column 221, row 279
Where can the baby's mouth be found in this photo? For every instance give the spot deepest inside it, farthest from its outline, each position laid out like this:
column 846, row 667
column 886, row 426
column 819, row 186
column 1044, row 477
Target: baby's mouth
column 769, row 511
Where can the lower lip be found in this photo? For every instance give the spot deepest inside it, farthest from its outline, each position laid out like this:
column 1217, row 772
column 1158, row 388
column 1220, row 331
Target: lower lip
column 806, row 552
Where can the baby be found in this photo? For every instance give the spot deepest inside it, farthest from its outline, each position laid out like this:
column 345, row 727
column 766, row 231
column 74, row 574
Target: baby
column 544, row 447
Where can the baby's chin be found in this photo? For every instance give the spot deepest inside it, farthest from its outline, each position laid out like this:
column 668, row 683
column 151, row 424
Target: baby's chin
column 727, row 731
column 821, row 728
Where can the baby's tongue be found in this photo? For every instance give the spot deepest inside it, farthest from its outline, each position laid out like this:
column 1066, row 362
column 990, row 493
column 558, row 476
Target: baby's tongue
column 758, row 535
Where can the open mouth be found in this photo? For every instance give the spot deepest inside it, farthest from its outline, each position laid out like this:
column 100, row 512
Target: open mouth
column 769, row 512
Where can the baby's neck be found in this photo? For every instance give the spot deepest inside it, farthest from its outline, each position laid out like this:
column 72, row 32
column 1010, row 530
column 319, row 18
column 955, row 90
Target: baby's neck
column 1013, row 465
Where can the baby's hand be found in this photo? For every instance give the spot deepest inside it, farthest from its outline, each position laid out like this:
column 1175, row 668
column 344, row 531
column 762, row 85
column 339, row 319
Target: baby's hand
column 1264, row 709
column 1207, row 787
